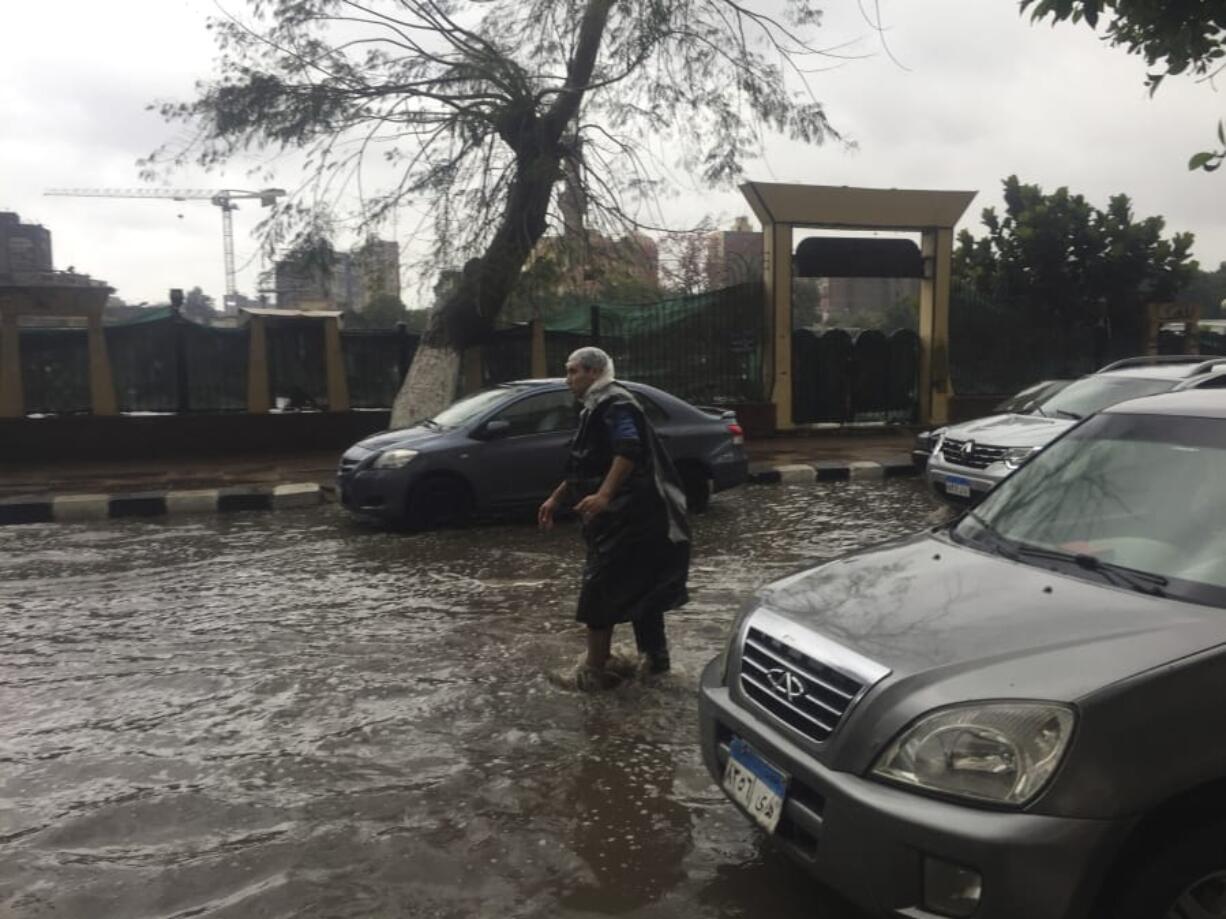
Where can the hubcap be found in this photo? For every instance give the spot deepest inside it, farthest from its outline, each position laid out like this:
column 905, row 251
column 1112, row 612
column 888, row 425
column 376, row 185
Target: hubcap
column 1204, row 898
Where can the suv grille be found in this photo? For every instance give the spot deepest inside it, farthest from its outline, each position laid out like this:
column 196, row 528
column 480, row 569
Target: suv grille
column 799, row 690
column 980, row 456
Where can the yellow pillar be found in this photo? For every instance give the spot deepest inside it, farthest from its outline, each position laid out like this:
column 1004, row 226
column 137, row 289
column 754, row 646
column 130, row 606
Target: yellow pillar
column 258, row 398
column 935, row 387
column 334, row 362
column 539, row 365
column 12, row 399
column 777, row 367
column 101, row 382
column 471, row 370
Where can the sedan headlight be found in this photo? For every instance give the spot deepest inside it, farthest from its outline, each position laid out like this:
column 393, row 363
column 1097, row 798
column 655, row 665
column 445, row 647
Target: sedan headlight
column 394, row 459
column 1015, row 456
column 1002, row 752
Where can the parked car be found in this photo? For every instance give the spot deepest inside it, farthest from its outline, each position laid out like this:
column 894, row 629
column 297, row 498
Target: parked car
column 1022, row 403
column 1014, row 715
column 968, row 459
column 504, row 450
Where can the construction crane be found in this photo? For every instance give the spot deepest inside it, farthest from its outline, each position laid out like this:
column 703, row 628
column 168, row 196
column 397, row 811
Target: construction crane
column 224, row 198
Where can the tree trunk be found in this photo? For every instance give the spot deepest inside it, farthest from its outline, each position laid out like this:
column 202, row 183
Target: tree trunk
column 469, row 312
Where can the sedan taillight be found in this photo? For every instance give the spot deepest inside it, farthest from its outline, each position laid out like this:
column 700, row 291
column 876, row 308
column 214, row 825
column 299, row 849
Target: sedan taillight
column 738, row 435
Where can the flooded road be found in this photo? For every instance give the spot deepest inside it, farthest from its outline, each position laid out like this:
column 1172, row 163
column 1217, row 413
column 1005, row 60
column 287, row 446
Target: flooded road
column 294, row 714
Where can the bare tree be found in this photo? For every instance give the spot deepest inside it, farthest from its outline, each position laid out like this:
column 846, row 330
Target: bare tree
column 473, row 107
column 684, row 256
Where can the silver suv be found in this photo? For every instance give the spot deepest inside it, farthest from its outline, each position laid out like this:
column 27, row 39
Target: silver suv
column 968, row 459
column 1014, row 715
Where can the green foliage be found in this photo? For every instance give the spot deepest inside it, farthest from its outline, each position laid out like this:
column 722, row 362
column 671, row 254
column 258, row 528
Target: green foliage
column 1174, row 36
column 198, row 306
column 382, row 312
column 1065, row 264
column 1206, row 289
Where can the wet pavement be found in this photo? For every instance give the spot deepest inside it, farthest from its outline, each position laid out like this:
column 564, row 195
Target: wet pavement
column 301, row 715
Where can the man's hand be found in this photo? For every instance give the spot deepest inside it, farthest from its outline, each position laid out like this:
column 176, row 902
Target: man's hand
column 544, row 515
column 592, row 505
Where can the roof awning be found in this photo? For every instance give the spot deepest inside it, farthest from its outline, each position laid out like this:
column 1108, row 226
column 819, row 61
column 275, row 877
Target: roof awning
column 845, row 207
column 291, row 314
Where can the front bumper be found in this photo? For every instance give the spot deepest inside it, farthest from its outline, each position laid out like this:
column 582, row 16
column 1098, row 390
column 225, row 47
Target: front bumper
column 981, row 481
column 869, row 840
column 381, row 493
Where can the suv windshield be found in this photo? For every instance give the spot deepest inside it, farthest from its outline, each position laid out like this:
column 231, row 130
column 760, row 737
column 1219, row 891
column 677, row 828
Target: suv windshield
column 470, row 407
column 1095, row 393
column 1138, row 501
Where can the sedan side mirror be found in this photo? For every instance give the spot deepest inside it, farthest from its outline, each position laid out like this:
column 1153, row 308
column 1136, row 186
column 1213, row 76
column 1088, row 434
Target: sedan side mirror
column 492, row 430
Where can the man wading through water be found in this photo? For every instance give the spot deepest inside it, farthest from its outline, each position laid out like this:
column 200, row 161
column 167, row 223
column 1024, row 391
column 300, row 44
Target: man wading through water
column 630, row 500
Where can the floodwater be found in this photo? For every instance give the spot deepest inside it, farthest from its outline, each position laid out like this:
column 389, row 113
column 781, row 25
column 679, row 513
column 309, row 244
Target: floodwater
column 295, row 714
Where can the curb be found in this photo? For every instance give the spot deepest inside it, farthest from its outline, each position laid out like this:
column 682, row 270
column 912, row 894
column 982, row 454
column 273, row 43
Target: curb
column 805, row 474
column 73, row 508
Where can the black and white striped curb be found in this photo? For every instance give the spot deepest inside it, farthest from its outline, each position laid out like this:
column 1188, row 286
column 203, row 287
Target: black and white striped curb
column 72, row 508
column 806, row 474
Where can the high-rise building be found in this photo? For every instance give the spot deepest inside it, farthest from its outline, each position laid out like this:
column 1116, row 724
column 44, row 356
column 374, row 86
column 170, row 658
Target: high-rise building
column 25, row 248
column 349, row 282
column 734, row 256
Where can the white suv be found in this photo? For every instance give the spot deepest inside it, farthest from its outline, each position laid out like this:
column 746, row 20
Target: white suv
column 969, row 459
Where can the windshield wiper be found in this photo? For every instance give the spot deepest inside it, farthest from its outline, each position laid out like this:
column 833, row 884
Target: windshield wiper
column 1140, row 581
column 430, row 423
column 996, row 542
column 1065, row 413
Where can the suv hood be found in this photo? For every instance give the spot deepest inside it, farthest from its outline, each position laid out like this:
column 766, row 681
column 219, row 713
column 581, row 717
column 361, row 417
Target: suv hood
column 1011, row 430
column 954, row 623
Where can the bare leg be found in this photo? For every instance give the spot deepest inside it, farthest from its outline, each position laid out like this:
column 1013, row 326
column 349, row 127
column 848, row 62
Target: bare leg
column 599, row 646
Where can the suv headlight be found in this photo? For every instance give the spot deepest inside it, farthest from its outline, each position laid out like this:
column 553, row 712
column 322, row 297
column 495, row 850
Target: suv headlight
column 1015, row 456
column 1002, row 752
column 394, row 459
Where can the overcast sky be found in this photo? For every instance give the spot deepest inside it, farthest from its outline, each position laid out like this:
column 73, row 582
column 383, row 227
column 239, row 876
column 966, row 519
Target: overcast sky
column 974, row 93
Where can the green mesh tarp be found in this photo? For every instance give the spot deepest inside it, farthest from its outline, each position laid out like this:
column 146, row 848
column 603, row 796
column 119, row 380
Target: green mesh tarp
column 704, row 348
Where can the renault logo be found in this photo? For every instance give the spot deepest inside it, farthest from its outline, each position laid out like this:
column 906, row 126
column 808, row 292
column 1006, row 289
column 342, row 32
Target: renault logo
column 786, row 684
column 968, row 448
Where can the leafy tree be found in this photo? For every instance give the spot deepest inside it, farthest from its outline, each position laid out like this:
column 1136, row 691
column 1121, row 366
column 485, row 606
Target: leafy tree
column 1066, row 265
column 1174, row 37
column 476, row 105
column 382, row 312
column 198, row 306
column 1206, row 289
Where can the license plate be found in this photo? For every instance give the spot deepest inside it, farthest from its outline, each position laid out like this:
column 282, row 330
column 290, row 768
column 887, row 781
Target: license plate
column 958, row 486
column 754, row 785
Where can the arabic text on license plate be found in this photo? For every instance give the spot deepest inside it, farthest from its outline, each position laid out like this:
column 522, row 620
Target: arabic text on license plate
column 754, row 785
column 956, row 485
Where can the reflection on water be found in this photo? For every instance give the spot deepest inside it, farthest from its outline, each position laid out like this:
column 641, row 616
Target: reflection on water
column 297, row 715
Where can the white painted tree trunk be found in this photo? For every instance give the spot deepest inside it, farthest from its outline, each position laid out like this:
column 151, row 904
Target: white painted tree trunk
column 429, row 386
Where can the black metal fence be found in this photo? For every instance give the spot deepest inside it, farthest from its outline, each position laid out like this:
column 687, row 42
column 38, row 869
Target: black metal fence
column 842, row 375
column 376, row 361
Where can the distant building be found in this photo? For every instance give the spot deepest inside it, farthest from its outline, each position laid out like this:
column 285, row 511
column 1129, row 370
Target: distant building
column 350, row 283
column 25, row 248
column 734, row 256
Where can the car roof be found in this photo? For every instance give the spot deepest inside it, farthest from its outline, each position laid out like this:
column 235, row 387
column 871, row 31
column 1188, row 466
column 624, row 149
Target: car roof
column 1204, row 403
column 1176, row 367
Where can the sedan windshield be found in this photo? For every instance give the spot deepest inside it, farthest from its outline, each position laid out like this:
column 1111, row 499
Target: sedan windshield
column 1136, row 501
column 471, row 407
column 1095, row 393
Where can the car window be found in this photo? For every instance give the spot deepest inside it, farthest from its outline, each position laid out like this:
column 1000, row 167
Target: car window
column 1214, row 382
column 651, row 409
column 1145, row 492
column 470, row 407
column 1094, row 393
column 541, row 414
